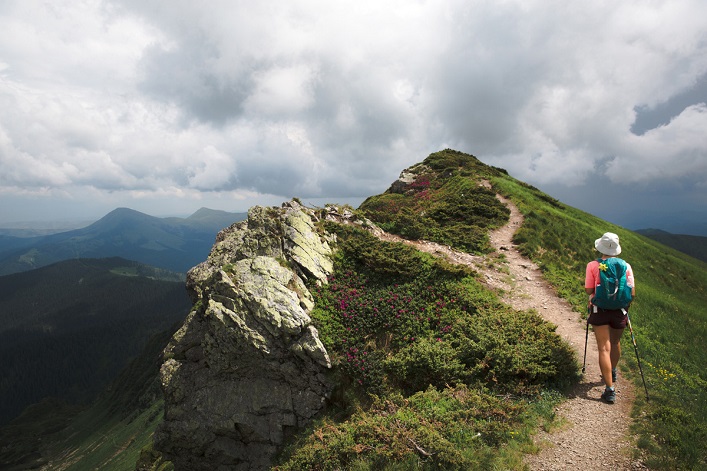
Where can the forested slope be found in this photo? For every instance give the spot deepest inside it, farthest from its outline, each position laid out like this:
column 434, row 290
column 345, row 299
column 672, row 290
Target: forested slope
column 66, row 330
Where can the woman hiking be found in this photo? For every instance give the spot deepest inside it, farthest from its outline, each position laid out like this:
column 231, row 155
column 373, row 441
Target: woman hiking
column 609, row 282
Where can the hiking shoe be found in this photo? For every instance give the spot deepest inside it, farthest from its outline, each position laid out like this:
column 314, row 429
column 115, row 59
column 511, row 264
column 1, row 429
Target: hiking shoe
column 609, row 395
column 613, row 375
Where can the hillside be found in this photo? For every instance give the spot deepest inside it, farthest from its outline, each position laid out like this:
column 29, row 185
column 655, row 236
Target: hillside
column 67, row 329
column 440, row 200
column 412, row 355
column 174, row 244
column 694, row 246
column 108, row 434
column 435, row 366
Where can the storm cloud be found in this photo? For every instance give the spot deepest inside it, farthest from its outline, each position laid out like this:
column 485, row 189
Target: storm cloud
column 180, row 104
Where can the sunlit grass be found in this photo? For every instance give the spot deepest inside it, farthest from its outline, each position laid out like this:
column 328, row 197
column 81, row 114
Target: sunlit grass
column 668, row 316
column 434, row 371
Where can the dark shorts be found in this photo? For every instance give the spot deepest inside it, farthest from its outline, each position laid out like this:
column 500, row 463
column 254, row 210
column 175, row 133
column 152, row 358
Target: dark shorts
column 614, row 319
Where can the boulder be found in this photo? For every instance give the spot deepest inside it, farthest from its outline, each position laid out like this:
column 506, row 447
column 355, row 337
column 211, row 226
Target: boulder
column 247, row 368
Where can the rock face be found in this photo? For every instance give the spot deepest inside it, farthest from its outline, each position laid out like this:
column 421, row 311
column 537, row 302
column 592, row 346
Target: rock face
column 247, row 368
column 407, row 177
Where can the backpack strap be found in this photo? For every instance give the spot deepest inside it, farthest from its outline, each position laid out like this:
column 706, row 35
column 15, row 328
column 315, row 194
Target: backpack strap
column 622, row 275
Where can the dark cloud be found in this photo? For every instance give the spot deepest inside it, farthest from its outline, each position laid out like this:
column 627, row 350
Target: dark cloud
column 242, row 102
column 184, row 77
column 678, row 206
column 648, row 117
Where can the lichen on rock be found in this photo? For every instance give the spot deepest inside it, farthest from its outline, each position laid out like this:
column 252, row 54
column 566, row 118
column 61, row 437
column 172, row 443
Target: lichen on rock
column 247, row 367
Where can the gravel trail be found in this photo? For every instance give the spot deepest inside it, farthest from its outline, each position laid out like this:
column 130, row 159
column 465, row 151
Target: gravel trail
column 594, row 435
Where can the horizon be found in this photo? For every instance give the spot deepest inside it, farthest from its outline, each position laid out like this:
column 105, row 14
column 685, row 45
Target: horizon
column 683, row 224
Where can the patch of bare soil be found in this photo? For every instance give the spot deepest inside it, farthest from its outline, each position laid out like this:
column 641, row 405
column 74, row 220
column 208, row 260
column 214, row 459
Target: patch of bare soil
column 593, row 434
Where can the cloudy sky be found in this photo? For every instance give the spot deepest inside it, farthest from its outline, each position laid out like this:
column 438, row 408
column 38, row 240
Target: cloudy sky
column 168, row 106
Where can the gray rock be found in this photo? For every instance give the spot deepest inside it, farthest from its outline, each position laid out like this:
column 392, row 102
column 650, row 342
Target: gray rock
column 406, row 178
column 247, row 368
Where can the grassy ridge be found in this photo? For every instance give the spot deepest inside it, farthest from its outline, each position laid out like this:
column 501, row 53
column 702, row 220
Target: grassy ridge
column 668, row 316
column 445, row 203
column 434, row 372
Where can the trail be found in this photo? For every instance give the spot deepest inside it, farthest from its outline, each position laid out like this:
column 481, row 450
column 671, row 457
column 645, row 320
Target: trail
column 594, row 435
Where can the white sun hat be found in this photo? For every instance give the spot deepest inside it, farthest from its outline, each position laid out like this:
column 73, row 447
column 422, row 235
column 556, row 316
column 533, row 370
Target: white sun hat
column 608, row 244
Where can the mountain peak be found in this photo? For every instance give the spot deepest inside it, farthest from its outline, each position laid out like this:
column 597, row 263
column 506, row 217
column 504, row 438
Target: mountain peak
column 203, row 213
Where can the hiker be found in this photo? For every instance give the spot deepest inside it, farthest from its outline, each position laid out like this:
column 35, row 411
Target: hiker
column 610, row 285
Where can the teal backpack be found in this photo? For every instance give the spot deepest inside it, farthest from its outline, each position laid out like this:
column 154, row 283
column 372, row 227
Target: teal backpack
column 612, row 292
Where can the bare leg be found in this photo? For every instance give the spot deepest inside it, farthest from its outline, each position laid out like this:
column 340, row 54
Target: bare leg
column 615, row 338
column 601, row 332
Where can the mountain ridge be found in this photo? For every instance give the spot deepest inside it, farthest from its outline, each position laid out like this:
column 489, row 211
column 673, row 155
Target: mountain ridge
column 669, row 329
column 174, row 244
column 692, row 245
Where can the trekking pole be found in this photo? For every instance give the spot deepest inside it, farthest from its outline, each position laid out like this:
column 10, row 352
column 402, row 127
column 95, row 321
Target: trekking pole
column 635, row 347
column 586, row 337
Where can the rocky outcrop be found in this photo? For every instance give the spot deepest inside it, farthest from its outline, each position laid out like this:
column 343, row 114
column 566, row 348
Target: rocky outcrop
column 407, row 178
column 247, row 368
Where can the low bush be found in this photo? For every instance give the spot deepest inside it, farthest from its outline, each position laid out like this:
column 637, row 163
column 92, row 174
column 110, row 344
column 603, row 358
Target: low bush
column 446, row 203
column 433, row 370
column 450, row 429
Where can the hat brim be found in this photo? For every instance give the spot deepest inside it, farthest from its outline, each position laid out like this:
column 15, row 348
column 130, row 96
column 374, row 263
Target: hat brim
column 607, row 250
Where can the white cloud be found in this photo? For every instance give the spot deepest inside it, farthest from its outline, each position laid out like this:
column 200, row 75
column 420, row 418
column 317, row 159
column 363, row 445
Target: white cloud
column 213, row 169
column 678, row 149
column 281, row 91
column 326, row 99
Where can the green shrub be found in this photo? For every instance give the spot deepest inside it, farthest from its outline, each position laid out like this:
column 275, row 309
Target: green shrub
column 452, row 429
column 428, row 361
column 398, row 322
column 445, row 204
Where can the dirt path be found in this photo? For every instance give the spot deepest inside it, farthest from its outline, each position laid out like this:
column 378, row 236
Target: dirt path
column 595, row 435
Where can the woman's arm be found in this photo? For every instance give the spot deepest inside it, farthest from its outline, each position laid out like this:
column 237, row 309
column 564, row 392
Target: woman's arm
column 590, row 281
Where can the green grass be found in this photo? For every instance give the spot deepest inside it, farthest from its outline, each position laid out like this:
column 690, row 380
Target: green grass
column 113, row 445
column 668, row 317
column 433, row 371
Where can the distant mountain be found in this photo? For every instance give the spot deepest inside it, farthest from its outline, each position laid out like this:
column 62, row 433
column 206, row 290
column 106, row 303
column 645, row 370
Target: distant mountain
column 694, row 246
column 67, row 329
column 42, row 228
column 9, row 243
column 175, row 244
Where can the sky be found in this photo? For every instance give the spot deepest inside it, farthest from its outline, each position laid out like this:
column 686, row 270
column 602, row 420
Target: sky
column 168, row 106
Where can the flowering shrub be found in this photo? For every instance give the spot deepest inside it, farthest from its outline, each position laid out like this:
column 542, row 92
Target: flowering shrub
column 421, row 183
column 445, row 205
column 393, row 317
column 433, row 371
column 363, row 321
